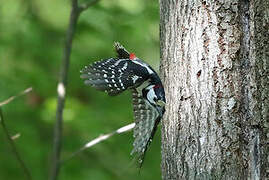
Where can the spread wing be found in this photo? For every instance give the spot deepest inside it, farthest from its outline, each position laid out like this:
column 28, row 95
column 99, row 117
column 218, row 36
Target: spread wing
column 146, row 120
column 112, row 75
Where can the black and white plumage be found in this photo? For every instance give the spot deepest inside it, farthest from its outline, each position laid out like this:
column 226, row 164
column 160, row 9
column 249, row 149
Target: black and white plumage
column 127, row 72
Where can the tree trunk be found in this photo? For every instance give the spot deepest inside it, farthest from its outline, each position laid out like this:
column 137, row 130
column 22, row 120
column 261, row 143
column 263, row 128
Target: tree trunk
column 215, row 68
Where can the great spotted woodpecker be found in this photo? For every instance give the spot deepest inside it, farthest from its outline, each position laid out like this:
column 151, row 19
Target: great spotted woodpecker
column 127, row 72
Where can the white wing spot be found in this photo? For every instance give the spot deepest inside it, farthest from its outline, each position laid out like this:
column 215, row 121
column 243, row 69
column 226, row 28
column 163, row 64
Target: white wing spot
column 105, row 75
column 124, row 66
column 134, row 78
column 117, row 63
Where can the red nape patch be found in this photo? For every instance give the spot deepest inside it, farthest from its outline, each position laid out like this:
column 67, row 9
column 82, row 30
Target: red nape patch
column 132, row 56
column 157, row 86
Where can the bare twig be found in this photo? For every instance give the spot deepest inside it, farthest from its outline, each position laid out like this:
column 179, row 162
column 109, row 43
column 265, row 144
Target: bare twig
column 13, row 147
column 14, row 97
column 57, row 142
column 57, row 138
column 16, row 136
column 85, row 6
column 100, row 139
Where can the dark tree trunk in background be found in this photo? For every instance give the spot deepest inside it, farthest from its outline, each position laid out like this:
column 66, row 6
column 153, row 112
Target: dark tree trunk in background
column 215, row 67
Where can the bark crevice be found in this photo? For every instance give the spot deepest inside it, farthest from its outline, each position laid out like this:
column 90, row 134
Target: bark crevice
column 215, row 72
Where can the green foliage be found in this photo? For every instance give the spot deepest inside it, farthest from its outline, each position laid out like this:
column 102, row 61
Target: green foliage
column 31, row 42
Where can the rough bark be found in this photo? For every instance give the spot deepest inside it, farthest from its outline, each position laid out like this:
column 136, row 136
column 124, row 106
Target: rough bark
column 215, row 70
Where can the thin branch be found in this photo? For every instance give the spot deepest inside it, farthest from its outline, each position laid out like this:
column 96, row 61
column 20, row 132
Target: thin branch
column 16, row 96
column 57, row 138
column 13, row 146
column 85, row 6
column 100, row 139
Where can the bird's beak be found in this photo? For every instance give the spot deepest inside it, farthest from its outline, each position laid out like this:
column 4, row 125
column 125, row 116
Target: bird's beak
column 160, row 103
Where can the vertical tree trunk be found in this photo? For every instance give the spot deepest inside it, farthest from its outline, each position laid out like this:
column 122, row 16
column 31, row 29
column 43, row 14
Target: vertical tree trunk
column 215, row 68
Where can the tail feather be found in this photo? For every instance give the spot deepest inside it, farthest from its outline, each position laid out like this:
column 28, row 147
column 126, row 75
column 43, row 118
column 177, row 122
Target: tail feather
column 122, row 53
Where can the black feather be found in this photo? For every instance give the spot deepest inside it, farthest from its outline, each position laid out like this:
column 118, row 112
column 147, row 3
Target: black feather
column 146, row 119
column 111, row 75
column 122, row 53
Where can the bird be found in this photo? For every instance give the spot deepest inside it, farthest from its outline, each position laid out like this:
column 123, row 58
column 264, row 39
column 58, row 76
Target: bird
column 126, row 72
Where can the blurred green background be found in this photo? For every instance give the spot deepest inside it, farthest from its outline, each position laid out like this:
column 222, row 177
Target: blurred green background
column 32, row 33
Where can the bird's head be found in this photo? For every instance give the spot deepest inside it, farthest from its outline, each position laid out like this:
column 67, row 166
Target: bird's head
column 155, row 95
